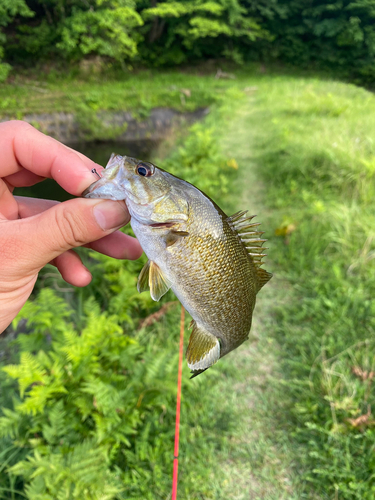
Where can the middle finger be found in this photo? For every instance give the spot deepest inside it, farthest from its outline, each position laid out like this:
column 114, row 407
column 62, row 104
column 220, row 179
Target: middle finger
column 8, row 205
column 23, row 178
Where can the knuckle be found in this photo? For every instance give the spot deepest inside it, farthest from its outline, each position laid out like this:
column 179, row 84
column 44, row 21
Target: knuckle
column 20, row 125
column 71, row 227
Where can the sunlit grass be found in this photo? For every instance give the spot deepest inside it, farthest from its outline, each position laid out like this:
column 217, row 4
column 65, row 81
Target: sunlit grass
column 313, row 146
column 138, row 93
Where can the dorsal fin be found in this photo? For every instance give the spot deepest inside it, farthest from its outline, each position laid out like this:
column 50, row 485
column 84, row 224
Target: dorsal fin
column 249, row 235
column 263, row 277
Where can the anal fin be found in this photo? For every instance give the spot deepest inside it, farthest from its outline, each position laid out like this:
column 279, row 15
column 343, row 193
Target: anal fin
column 203, row 350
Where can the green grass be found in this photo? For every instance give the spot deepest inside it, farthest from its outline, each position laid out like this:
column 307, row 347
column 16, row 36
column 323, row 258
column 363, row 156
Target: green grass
column 312, row 146
column 48, row 90
column 137, row 93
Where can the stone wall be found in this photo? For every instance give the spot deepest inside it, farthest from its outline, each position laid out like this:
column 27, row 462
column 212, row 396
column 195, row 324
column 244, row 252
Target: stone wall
column 68, row 129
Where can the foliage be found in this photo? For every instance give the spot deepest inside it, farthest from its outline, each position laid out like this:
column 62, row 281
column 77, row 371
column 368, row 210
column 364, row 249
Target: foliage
column 107, row 29
column 4, row 71
column 199, row 155
column 80, row 402
column 197, row 29
column 124, row 29
column 337, row 34
column 9, row 9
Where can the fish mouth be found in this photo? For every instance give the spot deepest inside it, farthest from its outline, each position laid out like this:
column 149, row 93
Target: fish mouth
column 106, row 189
column 111, row 184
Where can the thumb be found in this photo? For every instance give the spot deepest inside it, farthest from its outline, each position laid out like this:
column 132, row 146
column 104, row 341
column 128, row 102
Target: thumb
column 71, row 224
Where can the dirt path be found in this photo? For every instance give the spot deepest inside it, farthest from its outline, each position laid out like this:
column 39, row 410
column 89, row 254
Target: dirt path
column 259, row 467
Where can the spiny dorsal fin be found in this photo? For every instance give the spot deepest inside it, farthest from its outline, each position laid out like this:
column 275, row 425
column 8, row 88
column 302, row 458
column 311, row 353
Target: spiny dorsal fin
column 152, row 276
column 203, row 350
column 249, row 235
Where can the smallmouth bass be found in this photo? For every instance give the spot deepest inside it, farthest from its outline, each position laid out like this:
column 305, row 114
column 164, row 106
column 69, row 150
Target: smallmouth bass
column 209, row 260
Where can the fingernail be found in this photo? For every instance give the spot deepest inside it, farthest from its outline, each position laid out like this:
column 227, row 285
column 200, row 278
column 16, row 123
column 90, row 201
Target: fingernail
column 111, row 215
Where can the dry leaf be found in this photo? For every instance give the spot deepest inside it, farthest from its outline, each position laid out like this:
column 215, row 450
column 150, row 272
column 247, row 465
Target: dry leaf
column 362, row 374
column 362, row 421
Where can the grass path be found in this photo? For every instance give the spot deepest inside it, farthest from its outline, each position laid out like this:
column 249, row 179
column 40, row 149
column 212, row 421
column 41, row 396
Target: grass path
column 260, row 466
column 297, row 397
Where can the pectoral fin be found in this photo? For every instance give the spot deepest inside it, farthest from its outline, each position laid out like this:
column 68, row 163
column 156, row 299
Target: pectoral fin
column 159, row 285
column 203, row 350
column 152, row 276
column 142, row 284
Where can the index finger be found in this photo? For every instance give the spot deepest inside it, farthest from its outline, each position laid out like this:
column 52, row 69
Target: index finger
column 24, row 147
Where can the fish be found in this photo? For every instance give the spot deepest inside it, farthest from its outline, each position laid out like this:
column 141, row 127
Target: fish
column 211, row 261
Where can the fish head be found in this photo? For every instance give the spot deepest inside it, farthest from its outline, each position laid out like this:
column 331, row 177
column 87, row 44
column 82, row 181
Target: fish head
column 152, row 195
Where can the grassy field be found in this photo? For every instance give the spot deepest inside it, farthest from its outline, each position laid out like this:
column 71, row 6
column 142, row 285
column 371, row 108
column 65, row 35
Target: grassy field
column 138, row 93
column 289, row 414
column 312, row 146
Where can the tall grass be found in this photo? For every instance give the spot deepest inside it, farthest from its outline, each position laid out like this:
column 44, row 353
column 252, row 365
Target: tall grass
column 314, row 145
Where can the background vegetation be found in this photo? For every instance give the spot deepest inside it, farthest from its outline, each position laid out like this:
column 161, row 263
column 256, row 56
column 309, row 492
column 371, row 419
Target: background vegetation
column 317, row 158
column 289, row 417
column 334, row 34
column 88, row 376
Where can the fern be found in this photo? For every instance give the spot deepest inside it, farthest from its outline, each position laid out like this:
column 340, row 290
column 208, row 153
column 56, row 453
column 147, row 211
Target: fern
column 80, row 473
column 92, row 415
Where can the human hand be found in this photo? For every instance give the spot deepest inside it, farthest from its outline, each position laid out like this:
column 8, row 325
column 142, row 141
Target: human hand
column 36, row 232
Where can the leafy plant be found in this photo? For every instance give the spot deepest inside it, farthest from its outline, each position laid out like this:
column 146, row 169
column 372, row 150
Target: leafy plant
column 92, row 413
column 106, row 28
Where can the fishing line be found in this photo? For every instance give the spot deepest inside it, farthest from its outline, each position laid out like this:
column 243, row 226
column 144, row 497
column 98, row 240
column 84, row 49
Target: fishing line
column 178, row 406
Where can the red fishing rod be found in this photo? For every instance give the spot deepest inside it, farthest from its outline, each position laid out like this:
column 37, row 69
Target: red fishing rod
column 178, row 407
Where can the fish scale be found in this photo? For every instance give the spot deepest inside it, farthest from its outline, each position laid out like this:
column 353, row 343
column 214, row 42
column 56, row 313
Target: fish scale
column 211, row 262
column 215, row 261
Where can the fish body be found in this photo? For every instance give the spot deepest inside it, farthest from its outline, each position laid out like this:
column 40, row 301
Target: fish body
column 209, row 260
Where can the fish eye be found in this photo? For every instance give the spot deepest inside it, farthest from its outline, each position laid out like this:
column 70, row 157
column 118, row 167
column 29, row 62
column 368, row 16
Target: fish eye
column 144, row 169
